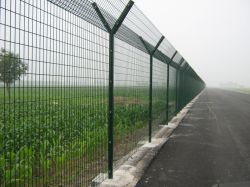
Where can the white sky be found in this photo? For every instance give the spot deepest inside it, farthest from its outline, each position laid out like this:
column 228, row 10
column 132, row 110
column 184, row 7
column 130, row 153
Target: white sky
column 212, row 35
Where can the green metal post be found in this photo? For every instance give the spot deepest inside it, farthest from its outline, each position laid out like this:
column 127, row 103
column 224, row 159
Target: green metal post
column 167, row 104
column 111, row 32
column 186, row 86
column 180, row 90
column 150, row 99
column 176, row 90
column 183, row 85
column 111, row 106
column 177, row 86
column 151, row 53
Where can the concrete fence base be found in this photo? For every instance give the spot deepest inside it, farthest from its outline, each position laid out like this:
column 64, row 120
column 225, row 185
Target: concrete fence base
column 130, row 172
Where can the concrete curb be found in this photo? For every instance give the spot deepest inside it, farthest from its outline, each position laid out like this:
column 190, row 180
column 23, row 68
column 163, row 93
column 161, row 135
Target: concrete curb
column 130, row 172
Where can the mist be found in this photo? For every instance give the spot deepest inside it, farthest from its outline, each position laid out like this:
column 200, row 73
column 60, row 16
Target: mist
column 213, row 36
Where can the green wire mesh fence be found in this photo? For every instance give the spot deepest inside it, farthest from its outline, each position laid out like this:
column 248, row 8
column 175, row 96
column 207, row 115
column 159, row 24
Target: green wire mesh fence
column 82, row 84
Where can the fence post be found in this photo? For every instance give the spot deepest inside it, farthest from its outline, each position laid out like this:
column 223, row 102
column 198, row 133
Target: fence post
column 151, row 53
column 167, row 105
column 180, row 91
column 177, row 85
column 187, row 85
column 183, row 86
column 111, row 32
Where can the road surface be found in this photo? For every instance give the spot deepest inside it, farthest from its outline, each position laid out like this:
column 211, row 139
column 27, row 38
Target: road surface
column 211, row 147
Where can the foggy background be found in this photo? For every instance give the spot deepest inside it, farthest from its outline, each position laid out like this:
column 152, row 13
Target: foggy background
column 212, row 35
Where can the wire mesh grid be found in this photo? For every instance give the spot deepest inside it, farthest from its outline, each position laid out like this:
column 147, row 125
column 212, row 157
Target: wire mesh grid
column 54, row 78
column 130, row 97
column 54, row 114
column 172, row 92
column 177, row 59
column 159, row 96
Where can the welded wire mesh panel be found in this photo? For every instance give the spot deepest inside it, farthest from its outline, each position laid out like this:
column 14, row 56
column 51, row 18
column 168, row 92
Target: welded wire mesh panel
column 130, row 98
column 53, row 96
column 183, row 63
column 172, row 91
column 167, row 49
column 111, row 9
column 193, row 86
column 54, row 81
column 159, row 92
column 136, row 23
column 140, row 24
column 177, row 59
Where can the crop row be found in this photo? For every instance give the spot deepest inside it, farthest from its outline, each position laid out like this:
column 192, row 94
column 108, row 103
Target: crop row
column 43, row 131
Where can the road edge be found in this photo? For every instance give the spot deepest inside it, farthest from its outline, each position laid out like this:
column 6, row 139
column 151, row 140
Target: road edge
column 131, row 171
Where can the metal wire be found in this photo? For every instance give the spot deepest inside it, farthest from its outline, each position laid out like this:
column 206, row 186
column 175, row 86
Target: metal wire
column 54, row 77
column 159, row 92
column 55, row 114
column 131, row 98
column 172, row 91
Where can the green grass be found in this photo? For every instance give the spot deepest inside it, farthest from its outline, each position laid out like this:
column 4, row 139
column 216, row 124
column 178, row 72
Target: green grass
column 43, row 130
column 241, row 90
column 244, row 90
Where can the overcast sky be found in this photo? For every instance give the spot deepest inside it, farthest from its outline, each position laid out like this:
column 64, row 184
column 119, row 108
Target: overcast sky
column 212, row 35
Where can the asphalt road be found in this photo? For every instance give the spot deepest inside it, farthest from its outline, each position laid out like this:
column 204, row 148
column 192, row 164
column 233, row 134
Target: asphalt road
column 211, row 147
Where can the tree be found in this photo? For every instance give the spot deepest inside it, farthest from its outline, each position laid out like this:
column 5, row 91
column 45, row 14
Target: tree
column 11, row 68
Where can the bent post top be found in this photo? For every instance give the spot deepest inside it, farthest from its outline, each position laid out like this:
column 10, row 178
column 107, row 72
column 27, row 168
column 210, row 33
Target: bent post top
column 151, row 53
column 147, row 47
column 111, row 32
column 118, row 22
